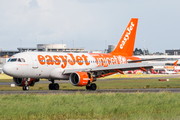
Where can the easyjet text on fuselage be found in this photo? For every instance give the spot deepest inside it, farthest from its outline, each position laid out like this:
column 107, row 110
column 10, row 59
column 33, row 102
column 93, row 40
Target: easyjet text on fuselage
column 71, row 59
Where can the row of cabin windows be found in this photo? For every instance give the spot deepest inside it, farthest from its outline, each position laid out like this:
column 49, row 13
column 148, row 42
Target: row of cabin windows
column 77, row 61
column 166, row 59
column 23, row 60
column 171, row 64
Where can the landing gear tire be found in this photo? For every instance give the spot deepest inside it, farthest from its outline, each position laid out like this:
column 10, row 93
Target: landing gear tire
column 54, row 86
column 93, row 86
column 32, row 83
column 51, row 86
column 25, row 87
column 88, row 87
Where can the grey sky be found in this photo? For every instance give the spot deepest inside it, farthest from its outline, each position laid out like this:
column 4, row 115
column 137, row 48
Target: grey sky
column 89, row 23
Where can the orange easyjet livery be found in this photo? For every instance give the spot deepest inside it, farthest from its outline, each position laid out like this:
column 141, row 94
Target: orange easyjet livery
column 81, row 69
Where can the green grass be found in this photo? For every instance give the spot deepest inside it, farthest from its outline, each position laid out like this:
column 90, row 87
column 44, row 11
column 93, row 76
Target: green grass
column 135, row 76
column 131, row 106
column 142, row 83
column 5, row 78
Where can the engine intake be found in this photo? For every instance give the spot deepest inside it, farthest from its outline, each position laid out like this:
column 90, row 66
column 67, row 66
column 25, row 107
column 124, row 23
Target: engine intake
column 22, row 81
column 80, row 78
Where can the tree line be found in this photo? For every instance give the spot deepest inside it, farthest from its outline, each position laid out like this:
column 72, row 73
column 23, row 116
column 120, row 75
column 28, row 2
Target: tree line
column 140, row 52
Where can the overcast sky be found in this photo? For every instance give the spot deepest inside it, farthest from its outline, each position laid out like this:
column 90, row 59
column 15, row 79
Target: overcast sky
column 89, row 23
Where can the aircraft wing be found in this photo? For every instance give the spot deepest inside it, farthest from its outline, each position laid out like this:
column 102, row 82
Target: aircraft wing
column 134, row 61
column 114, row 68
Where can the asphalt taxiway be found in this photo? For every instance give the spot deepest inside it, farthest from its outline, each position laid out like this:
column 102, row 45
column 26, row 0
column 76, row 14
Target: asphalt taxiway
column 172, row 90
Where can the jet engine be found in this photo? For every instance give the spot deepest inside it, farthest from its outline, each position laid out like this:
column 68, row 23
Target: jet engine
column 25, row 81
column 81, row 78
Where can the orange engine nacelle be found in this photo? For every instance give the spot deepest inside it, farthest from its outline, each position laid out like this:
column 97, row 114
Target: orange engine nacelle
column 25, row 81
column 80, row 78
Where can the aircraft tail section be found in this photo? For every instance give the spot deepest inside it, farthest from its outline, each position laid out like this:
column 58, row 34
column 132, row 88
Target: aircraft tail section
column 125, row 46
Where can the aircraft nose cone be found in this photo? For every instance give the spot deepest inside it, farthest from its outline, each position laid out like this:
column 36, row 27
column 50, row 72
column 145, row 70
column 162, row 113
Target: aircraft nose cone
column 6, row 69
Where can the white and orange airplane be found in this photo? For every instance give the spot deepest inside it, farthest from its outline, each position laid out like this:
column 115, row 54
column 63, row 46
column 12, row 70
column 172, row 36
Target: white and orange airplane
column 82, row 69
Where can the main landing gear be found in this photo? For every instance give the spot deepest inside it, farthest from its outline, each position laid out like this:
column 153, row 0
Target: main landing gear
column 53, row 86
column 93, row 86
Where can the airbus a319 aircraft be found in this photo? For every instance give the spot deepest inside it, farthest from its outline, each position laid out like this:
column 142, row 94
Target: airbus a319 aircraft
column 82, row 69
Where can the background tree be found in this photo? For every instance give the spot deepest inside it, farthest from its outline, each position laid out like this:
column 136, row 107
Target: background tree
column 137, row 51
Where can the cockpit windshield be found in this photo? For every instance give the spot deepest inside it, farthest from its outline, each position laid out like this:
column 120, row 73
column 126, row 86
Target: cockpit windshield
column 13, row 60
column 22, row 59
column 19, row 60
column 16, row 60
column 9, row 60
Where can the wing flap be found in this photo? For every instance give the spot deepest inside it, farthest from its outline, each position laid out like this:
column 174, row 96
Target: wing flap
column 128, row 66
column 134, row 61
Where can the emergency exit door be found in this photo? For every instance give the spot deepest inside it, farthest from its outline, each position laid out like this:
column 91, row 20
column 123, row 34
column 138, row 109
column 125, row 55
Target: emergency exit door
column 34, row 62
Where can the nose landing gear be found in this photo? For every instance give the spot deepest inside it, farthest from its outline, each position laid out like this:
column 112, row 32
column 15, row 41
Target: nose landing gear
column 25, row 87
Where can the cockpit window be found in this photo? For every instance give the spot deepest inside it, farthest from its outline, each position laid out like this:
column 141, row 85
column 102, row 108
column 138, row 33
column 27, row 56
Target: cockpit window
column 9, row 60
column 22, row 59
column 19, row 60
column 16, row 60
column 13, row 59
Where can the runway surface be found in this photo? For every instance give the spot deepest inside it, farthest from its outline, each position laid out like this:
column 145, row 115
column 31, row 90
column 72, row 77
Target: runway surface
column 172, row 90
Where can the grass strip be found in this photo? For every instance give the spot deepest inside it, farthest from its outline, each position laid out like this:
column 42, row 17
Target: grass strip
column 132, row 106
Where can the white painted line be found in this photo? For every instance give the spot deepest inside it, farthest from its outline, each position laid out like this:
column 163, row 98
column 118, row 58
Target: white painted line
column 12, row 85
